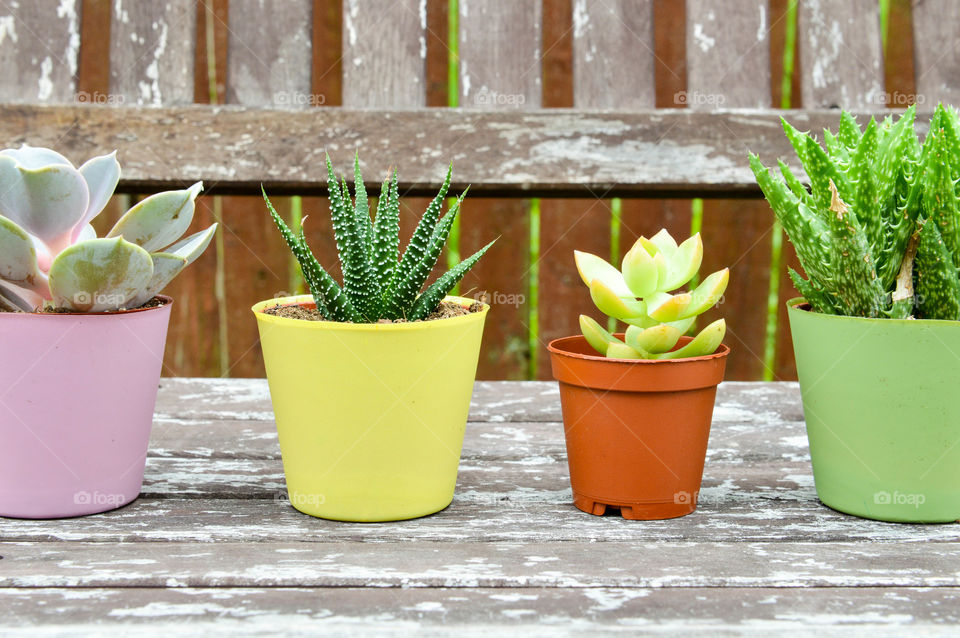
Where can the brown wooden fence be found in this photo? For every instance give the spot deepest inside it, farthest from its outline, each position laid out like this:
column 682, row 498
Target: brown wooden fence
column 500, row 56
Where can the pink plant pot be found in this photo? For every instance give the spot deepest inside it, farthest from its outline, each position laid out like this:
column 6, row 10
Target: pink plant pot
column 77, row 393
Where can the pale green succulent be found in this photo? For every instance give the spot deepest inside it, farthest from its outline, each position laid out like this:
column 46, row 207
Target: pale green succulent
column 50, row 255
column 638, row 294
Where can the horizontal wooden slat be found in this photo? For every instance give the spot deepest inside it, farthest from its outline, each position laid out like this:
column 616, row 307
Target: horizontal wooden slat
column 480, row 612
column 553, row 152
column 505, row 565
column 493, row 401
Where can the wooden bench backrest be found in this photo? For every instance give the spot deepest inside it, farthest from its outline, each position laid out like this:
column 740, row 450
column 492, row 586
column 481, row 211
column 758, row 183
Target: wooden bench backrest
column 614, row 142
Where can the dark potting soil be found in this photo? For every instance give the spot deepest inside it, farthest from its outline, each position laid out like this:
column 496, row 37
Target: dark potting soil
column 156, row 302
column 446, row 310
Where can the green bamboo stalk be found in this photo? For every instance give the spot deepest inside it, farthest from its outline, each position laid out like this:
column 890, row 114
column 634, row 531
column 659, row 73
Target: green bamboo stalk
column 616, row 217
column 219, row 281
column 776, row 239
column 533, row 316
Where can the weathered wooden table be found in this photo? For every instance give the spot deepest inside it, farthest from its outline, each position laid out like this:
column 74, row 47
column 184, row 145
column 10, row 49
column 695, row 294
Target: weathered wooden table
column 213, row 547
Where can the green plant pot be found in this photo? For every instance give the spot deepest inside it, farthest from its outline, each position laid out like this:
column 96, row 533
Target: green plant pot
column 881, row 399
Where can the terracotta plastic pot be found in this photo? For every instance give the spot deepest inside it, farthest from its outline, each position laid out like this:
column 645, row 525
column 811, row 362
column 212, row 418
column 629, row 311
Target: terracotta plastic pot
column 883, row 419
column 77, row 393
column 636, row 430
column 370, row 417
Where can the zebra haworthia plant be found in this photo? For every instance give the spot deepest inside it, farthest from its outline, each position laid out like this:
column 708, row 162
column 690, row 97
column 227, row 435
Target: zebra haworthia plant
column 638, row 294
column 878, row 230
column 50, row 255
column 378, row 283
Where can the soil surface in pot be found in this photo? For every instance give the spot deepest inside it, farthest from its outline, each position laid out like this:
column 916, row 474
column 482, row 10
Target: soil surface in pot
column 446, row 310
column 156, row 302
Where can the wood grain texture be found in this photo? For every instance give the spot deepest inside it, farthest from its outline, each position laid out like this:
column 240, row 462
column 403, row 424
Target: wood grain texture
column 270, row 53
column 841, row 54
column 500, row 60
column 614, row 54
column 936, row 42
column 638, row 153
column 384, row 53
column 214, row 543
column 475, row 612
column 268, row 64
column 728, row 54
column 39, row 51
column 728, row 66
column 152, row 47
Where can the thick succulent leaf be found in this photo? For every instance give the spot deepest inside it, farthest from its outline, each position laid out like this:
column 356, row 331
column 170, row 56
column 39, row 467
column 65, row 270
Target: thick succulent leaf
column 99, row 275
column 386, row 232
column 432, row 296
column 170, row 263
column 420, row 240
column 593, row 268
column 853, row 274
column 655, row 339
column 194, row 245
column 331, row 301
column 596, row 335
column 703, row 344
column 665, row 242
column 849, row 132
column 47, row 202
column 13, row 299
column 361, row 207
column 805, row 227
column 665, row 307
column 358, row 274
column 409, row 286
column 609, row 303
column 159, row 220
column 937, row 286
column 18, row 258
column 684, row 263
column 940, row 202
column 623, row 351
column 165, row 268
column 86, row 232
column 35, row 156
column 818, row 298
column 102, row 175
column 640, row 271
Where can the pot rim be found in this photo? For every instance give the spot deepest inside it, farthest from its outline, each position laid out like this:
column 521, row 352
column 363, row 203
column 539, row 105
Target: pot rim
column 300, row 300
column 794, row 306
column 62, row 316
column 722, row 351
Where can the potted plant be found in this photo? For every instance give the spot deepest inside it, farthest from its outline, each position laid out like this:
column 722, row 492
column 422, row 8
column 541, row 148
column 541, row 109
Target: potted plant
column 371, row 380
column 83, row 328
column 637, row 405
column 876, row 334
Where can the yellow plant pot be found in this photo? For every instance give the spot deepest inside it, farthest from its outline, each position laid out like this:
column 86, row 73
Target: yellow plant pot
column 370, row 417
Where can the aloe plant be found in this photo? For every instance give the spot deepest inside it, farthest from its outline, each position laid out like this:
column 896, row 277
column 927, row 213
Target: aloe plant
column 638, row 294
column 51, row 256
column 378, row 282
column 878, row 230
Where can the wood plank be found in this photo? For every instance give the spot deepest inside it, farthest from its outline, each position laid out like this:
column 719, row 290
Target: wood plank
column 493, row 401
column 728, row 54
column 467, row 565
column 500, row 49
column 384, row 53
column 39, row 51
column 611, row 67
column 728, row 66
column 268, row 64
column 551, row 153
column 936, row 28
column 484, row 611
column 614, row 54
column 152, row 46
column 841, row 54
